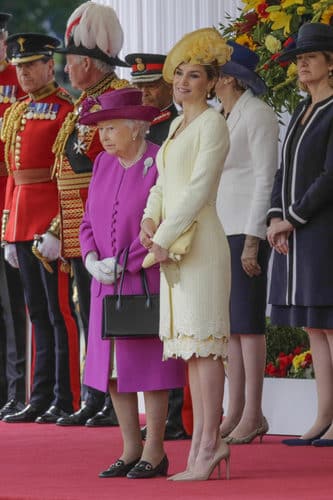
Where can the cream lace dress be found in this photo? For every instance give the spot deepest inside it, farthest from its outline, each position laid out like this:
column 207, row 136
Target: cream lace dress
column 194, row 312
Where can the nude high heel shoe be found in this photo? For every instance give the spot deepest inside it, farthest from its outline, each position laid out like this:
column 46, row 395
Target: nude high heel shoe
column 259, row 431
column 222, row 453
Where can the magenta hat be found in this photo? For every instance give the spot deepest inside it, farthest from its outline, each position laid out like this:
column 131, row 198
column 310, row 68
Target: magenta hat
column 118, row 104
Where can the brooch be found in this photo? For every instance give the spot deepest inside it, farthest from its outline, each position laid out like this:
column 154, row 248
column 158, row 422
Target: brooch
column 147, row 164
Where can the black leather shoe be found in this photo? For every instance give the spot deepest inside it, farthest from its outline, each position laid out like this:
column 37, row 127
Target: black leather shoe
column 104, row 418
column 173, row 433
column 28, row 414
column 118, row 469
column 12, row 406
column 51, row 415
column 170, row 434
column 80, row 417
column 145, row 470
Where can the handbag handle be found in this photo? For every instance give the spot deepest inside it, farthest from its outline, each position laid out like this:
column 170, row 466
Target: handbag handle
column 121, row 282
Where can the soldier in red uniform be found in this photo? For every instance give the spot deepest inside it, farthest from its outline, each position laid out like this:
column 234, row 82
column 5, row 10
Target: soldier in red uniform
column 92, row 41
column 29, row 129
column 12, row 305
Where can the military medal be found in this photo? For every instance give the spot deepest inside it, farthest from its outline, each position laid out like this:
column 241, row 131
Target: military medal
column 6, row 93
column 54, row 111
column 48, row 112
column 12, row 98
column 30, row 111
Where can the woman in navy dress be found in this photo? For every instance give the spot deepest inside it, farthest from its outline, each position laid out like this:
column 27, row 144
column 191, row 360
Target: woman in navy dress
column 301, row 220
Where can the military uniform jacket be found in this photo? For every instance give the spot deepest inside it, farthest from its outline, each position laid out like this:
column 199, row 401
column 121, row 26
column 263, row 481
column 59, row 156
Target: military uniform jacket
column 29, row 130
column 303, row 194
column 159, row 128
column 76, row 148
column 10, row 91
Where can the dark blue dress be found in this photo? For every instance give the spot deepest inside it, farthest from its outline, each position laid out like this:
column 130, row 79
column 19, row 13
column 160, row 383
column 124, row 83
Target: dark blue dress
column 301, row 291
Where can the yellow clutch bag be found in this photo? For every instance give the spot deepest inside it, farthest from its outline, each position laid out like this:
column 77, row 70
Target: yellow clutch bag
column 178, row 249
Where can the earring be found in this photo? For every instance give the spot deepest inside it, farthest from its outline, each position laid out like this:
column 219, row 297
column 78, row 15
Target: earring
column 330, row 73
column 133, row 137
column 209, row 95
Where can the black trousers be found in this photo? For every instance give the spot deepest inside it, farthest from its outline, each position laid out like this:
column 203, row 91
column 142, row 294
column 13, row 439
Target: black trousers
column 12, row 334
column 92, row 397
column 51, row 381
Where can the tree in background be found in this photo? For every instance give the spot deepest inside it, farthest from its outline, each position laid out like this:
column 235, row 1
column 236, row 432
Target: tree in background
column 43, row 16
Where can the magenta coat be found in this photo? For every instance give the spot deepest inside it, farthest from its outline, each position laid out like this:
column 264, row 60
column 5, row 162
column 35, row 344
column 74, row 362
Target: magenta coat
column 111, row 223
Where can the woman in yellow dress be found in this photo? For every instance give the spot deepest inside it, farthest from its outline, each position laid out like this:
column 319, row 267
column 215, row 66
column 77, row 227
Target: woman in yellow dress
column 194, row 320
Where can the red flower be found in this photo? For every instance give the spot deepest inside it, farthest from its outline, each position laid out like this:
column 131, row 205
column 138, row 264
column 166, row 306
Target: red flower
column 298, row 350
column 261, row 9
column 290, row 40
column 265, row 67
column 283, row 64
column 251, row 19
column 274, row 56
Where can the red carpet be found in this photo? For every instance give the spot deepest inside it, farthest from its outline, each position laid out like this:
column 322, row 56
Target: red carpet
column 48, row 462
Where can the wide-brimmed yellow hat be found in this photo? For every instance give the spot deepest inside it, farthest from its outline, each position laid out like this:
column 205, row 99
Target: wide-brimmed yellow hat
column 203, row 46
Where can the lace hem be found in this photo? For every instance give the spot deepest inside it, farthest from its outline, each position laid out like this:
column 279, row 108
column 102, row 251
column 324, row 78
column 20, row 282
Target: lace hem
column 184, row 346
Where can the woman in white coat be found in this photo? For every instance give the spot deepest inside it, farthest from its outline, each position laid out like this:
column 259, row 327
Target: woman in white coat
column 243, row 201
column 194, row 322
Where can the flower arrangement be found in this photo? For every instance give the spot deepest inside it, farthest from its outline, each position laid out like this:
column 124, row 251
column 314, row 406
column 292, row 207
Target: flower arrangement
column 297, row 364
column 294, row 341
column 269, row 27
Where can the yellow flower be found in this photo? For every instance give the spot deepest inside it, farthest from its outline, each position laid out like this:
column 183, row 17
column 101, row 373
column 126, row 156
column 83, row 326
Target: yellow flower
column 280, row 20
column 246, row 40
column 292, row 70
column 327, row 15
column 272, row 44
column 289, row 3
column 300, row 10
column 251, row 4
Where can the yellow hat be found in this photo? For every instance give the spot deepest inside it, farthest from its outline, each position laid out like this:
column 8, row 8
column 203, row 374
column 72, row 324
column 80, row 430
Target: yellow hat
column 203, row 46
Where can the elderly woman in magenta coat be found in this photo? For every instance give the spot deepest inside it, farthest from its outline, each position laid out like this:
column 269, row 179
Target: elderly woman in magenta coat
column 121, row 181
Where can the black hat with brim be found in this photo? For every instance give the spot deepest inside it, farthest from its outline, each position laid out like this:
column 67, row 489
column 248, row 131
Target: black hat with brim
column 311, row 37
column 28, row 47
column 145, row 67
column 95, row 53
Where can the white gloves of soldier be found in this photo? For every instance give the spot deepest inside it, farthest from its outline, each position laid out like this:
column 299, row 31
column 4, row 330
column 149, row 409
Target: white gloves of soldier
column 49, row 247
column 10, row 254
column 102, row 270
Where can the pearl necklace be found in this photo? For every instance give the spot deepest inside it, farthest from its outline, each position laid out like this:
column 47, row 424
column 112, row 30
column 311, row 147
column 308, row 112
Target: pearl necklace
column 129, row 163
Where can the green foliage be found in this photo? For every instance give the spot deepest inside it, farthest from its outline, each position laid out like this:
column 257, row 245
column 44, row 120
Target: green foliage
column 40, row 16
column 283, row 339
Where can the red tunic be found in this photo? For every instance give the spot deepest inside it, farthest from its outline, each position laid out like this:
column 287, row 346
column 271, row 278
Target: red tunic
column 32, row 206
column 9, row 92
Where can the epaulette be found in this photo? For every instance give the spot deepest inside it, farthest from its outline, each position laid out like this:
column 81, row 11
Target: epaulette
column 165, row 115
column 10, row 127
column 118, row 83
column 65, row 96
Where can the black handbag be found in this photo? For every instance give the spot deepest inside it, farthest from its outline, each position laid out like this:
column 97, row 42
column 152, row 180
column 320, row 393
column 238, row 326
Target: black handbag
column 130, row 316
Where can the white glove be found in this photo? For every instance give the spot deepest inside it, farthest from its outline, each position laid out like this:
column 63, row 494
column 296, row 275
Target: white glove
column 101, row 270
column 107, row 266
column 49, row 247
column 10, row 254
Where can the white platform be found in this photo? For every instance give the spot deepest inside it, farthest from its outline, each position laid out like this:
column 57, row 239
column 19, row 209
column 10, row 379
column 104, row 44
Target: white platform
column 289, row 404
